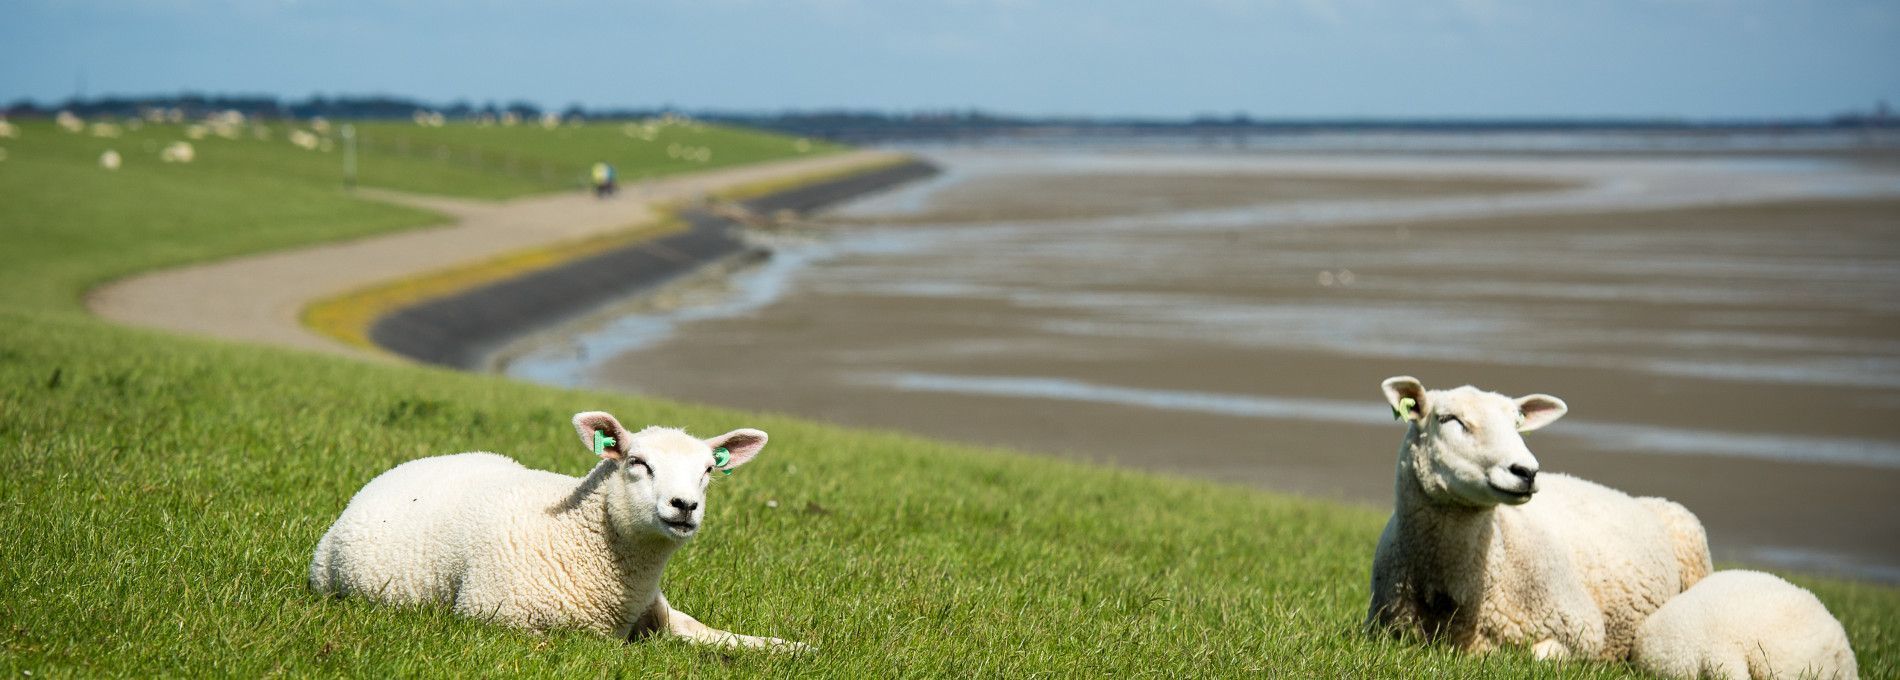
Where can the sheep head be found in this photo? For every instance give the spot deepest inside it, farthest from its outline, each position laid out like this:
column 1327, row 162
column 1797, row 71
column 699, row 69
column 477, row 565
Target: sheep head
column 664, row 471
column 1465, row 446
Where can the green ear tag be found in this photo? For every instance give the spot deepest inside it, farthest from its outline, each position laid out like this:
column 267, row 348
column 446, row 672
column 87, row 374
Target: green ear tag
column 720, row 457
column 1406, row 404
column 601, row 442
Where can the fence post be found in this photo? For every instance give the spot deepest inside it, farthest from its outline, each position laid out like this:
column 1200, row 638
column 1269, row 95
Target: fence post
column 349, row 157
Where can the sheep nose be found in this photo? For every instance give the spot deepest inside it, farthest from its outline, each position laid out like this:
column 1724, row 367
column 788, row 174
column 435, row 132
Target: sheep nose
column 684, row 505
column 1529, row 475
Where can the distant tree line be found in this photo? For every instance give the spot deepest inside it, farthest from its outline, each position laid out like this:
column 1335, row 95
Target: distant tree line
column 867, row 125
column 367, row 107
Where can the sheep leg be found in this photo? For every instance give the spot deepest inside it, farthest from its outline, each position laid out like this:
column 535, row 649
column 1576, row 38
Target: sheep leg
column 686, row 627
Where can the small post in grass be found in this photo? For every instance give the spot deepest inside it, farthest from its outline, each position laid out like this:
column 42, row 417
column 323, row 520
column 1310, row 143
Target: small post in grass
column 349, row 157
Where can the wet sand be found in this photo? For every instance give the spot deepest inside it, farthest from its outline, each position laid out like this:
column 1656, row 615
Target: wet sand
column 1004, row 196
column 1742, row 359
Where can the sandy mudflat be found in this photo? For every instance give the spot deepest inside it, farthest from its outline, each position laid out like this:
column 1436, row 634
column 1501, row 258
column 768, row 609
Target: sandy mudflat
column 1723, row 336
column 1006, row 197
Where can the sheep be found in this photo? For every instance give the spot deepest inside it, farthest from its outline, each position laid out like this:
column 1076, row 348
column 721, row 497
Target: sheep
column 110, row 160
column 1467, row 558
column 1744, row 625
column 69, row 122
column 178, row 152
column 535, row 549
column 304, row 139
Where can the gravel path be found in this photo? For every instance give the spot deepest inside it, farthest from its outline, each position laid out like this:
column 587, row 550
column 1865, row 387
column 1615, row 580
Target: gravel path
column 260, row 298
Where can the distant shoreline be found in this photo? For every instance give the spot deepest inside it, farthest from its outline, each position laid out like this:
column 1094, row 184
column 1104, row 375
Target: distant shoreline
column 463, row 329
column 275, row 297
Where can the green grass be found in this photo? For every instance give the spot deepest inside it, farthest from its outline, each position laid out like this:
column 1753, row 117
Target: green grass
column 526, row 159
column 161, row 497
column 58, row 206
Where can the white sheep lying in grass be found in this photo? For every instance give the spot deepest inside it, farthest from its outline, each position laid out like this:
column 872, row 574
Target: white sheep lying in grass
column 1745, row 625
column 1469, row 558
column 536, row 549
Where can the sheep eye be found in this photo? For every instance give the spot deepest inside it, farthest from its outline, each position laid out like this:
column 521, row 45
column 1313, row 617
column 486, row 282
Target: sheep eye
column 1450, row 419
column 640, row 463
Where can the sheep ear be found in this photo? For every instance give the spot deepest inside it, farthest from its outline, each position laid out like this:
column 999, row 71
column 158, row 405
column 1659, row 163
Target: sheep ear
column 1538, row 410
column 1407, row 397
column 585, row 424
column 743, row 444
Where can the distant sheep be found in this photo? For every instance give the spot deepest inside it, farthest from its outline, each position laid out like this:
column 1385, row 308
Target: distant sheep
column 1745, row 625
column 69, row 122
column 1468, row 558
column 304, row 139
column 536, row 549
column 110, row 160
column 178, row 152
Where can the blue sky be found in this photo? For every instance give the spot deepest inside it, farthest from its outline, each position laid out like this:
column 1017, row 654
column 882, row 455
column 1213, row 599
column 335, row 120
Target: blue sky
column 1299, row 58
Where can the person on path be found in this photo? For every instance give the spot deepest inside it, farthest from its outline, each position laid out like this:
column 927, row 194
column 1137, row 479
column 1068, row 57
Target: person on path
column 603, row 180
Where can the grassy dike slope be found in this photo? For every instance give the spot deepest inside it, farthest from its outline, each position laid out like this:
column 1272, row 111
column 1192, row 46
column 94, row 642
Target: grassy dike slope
column 161, row 496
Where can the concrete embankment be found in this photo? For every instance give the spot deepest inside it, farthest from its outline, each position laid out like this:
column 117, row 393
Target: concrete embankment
column 460, row 329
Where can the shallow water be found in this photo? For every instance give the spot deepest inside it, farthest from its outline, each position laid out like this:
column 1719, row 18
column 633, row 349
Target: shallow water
column 1716, row 325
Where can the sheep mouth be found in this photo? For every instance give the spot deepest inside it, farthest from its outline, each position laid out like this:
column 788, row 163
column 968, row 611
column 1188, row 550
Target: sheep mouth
column 684, row 526
column 1513, row 497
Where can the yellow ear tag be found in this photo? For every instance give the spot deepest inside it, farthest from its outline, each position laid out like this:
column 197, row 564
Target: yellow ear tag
column 1406, row 404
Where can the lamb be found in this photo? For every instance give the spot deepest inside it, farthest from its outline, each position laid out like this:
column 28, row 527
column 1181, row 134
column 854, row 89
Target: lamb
column 1745, row 625
column 535, row 549
column 1468, row 559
